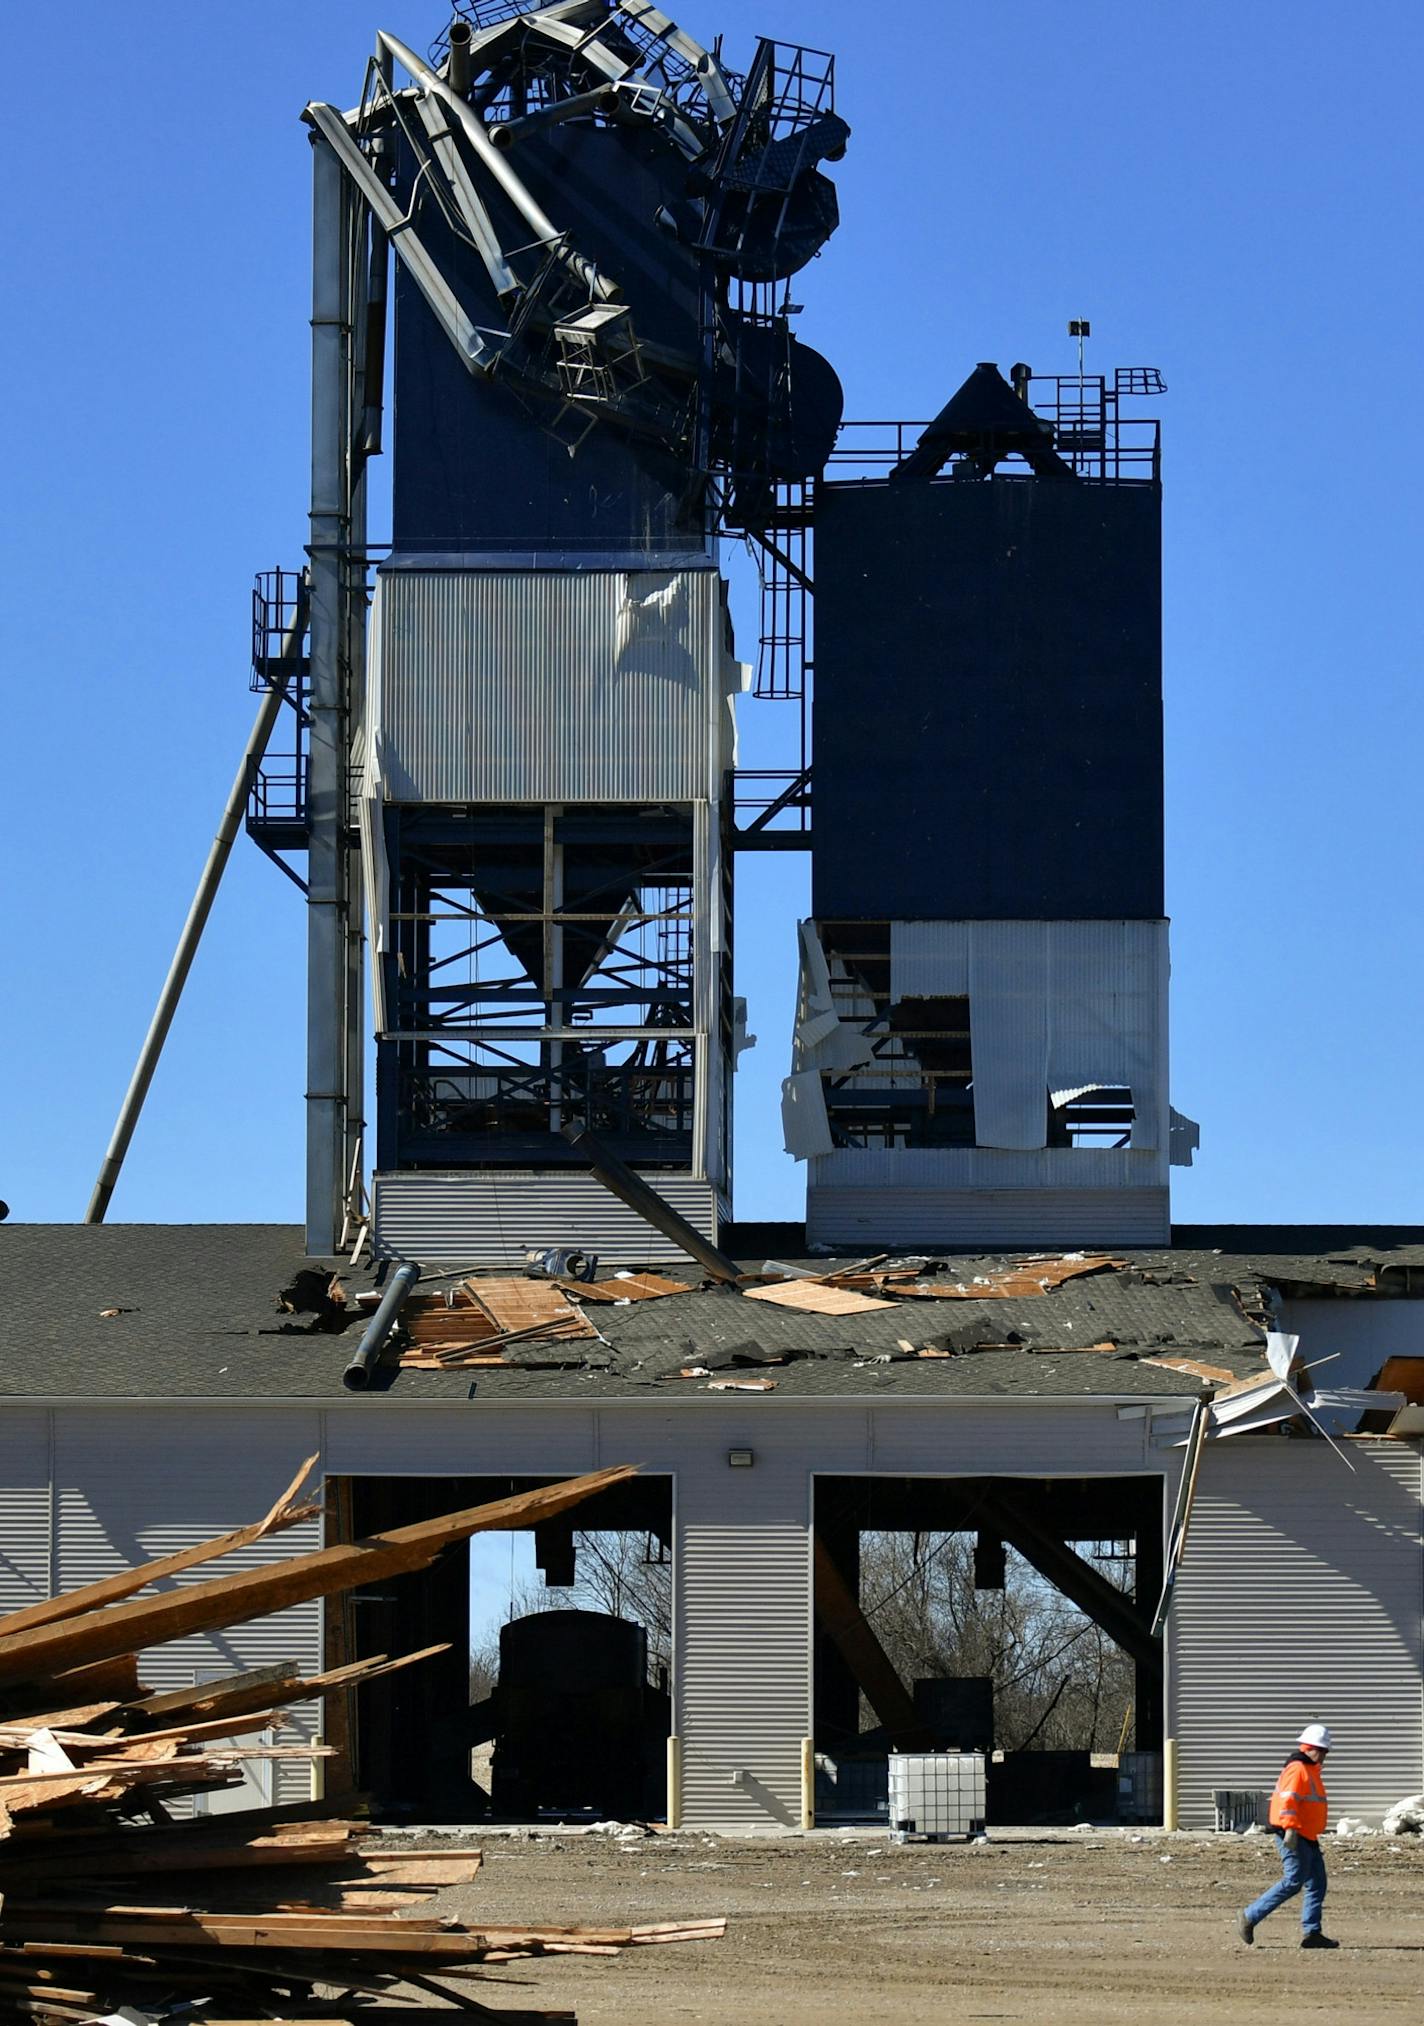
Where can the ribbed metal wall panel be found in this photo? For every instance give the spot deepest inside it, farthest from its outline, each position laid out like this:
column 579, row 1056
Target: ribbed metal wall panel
column 744, row 1623
column 491, row 1218
column 24, row 1507
column 1068, row 1170
column 466, row 1439
column 137, row 1480
column 120, row 1501
column 975, row 1439
column 1301, row 1600
column 878, row 1214
column 550, row 686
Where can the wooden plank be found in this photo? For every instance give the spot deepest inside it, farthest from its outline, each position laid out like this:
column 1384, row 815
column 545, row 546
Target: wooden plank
column 814, row 1297
column 203, row 1697
column 518, row 1305
column 1025, row 1278
column 285, row 1513
column 628, row 1287
column 120, row 1629
column 116, row 1677
column 1403, row 1374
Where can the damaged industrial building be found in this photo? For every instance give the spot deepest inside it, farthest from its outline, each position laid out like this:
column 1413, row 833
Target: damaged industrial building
column 496, row 749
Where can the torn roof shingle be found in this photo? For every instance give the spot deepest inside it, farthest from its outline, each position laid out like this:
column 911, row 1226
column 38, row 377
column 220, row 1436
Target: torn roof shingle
column 198, row 1318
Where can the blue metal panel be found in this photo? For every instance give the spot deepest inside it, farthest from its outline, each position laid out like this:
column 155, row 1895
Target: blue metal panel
column 988, row 712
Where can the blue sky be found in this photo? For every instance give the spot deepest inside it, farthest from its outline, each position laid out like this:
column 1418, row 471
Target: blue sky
column 1229, row 193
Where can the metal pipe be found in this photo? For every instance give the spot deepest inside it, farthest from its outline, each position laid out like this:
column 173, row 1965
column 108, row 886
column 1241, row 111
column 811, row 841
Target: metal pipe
column 468, row 202
column 444, row 304
column 367, row 1356
column 674, row 1782
column 475, row 132
column 1169, row 1783
column 198, row 913
column 630, row 1188
column 332, row 422
column 459, row 72
column 373, row 378
column 554, row 114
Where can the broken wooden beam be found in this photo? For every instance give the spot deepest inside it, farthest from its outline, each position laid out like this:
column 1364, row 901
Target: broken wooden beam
column 119, row 1629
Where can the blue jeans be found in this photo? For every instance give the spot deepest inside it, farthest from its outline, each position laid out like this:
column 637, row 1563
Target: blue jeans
column 1301, row 1869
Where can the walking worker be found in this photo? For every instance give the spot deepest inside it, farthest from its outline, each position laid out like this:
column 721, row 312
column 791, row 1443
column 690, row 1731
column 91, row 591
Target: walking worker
column 1298, row 1817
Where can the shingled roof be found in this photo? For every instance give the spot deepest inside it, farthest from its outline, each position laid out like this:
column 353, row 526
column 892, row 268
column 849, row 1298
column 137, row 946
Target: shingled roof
column 127, row 1311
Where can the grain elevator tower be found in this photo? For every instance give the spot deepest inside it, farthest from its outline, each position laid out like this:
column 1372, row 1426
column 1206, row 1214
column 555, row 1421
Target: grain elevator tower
column 519, row 718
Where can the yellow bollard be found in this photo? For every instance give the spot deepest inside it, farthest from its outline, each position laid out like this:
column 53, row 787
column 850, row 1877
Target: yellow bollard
column 808, row 1783
column 1169, row 1783
column 674, row 1783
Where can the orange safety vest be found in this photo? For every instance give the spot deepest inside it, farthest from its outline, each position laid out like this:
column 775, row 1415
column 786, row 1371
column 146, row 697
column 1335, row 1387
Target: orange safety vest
column 1299, row 1800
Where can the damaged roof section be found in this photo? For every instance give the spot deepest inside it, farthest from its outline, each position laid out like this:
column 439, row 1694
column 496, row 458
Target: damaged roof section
column 212, row 1310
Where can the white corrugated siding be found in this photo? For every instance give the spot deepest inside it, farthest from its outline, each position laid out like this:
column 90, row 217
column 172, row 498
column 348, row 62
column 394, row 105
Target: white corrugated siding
column 742, row 1634
column 24, row 1507
column 955, row 1439
column 551, row 686
column 121, row 1501
column 136, row 1480
column 491, row 1218
column 1301, row 1600
column 874, row 1214
column 1066, row 1170
column 1054, row 1006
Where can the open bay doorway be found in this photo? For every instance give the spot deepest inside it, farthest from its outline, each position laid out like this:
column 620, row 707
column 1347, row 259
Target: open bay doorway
column 551, row 1696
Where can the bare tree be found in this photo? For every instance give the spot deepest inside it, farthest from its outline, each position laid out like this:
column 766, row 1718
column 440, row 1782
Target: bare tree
column 1059, row 1683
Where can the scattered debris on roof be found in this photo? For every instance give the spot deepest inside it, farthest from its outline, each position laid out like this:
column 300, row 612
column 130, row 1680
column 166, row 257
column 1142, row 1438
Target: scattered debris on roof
column 1150, row 1322
column 318, row 1293
column 626, row 1287
column 815, row 1297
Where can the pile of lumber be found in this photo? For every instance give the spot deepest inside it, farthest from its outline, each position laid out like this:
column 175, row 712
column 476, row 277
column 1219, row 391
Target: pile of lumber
column 112, row 1896
column 475, row 1321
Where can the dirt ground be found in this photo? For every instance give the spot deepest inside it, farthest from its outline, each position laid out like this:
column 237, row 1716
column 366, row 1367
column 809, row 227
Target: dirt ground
column 1085, row 1926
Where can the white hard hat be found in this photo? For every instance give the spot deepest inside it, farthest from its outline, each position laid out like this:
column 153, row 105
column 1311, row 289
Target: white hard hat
column 1317, row 1735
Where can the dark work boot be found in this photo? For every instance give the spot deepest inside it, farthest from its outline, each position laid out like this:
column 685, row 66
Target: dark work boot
column 1314, row 1939
column 1245, row 1929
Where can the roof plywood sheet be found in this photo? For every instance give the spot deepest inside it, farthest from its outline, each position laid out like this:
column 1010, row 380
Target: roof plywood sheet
column 815, row 1298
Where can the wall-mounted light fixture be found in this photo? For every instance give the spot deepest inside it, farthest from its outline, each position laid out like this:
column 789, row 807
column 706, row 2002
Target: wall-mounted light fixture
column 740, row 1459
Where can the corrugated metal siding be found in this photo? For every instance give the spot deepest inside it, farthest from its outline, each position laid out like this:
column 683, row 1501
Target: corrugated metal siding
column 24, row 1507
column 1054, row 1005
column 878, row 1214
column 1301, row 1600
column 548, row 686
column 120, row 1501
column 742, row 1636
column 492, row 1218
column 1063, row 1170
column 966, row 1440
column 466, row 1438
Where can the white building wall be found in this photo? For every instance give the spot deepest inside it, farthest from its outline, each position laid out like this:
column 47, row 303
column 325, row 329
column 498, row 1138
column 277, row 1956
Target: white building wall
column 1301, row 1600
column 129, row 1486
column 25, row 1534
column 143, row 1479
column 1300, row 1597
